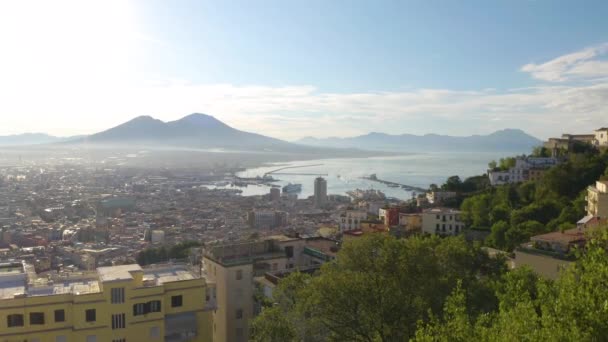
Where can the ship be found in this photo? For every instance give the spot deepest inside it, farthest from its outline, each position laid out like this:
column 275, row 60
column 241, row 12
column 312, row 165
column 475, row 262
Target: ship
column 292, row 188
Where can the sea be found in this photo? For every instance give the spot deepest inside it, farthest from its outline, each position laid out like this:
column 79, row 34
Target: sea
column 345, row 174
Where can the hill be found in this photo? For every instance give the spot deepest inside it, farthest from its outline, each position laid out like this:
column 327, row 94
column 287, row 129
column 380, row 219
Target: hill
column 503, row 140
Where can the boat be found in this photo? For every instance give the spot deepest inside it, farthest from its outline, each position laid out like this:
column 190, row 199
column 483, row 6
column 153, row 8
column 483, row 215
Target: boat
column 292, row 188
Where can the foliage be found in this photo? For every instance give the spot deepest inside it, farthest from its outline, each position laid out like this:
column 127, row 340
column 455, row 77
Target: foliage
column 379, row 287
column 553, row 202
column 573, row 308
column 160, row 254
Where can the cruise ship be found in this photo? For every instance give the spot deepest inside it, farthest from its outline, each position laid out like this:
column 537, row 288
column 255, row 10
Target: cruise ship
column 292, row 188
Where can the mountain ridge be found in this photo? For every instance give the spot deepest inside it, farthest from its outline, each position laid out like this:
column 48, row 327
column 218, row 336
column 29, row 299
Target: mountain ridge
column 508, row 139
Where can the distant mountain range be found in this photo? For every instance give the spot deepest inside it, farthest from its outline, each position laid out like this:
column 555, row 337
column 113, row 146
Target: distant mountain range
column 201, row 131
column 32, row 139
column 503, row 140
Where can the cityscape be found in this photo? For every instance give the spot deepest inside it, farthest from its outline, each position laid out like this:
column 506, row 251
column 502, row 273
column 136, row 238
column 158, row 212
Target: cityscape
column 380, row 172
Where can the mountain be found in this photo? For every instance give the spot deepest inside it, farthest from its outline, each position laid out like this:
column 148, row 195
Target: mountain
column 31, row 139
column 193, row 131
column 510, row 140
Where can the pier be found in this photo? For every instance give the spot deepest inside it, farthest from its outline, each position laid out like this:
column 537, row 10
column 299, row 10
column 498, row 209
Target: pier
column 389, row 183
column 276, row 172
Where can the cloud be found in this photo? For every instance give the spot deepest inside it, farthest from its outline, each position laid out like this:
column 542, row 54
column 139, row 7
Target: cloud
column 574, row 66
column 295, row 111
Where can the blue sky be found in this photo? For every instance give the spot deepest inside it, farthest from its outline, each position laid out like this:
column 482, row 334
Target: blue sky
column 323, row 68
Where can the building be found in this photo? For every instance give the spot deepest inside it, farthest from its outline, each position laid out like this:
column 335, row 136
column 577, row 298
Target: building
column 438, row 197
column 390, row 216
column 601, row 137
column 232, row 267
column 567, row 142
column 320, row 192
column 442, row 221
column 267, row 219
column 597, row 199
column 411, row 221
column 275, row 194
column 118, row 303
column 521, row 171
column 157, row 236
column 351, row 220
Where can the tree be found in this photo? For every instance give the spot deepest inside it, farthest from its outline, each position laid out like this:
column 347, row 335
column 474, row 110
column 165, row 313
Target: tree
column 573, row 308
column 452, row 184
column 379, row 287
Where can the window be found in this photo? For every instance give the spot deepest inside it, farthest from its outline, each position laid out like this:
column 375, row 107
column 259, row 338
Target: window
column 239, row 313
column 438, row 217
column 15, row 320
column 154, row 306
column 239, row 274
column 92, row 338
column 289, row 251
column 443, row 228
column 37, row 318
column 139, row 309
column 118, row 295
column 91, row 315
column 118, row 321
column 155, row 332
column 60, row 315
column 176, row 301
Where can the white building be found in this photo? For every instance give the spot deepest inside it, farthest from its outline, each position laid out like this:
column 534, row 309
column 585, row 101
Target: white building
column 601, row 136
column 442, row 221
column 351, row 220
column 436, row 197
column 520, row 172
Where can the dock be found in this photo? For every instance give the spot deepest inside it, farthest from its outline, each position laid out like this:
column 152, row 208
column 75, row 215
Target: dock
column 394, row 184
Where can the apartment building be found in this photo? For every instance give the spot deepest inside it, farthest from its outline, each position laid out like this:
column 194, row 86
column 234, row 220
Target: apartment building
column 113, row 304
column 351, row 220
column 438, row 197
column 442, row 221
column 522, row 170
column 601, row 136
column 234, row 267
column 597, row 199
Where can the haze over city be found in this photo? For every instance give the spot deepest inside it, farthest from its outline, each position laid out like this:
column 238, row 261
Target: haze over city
column 289, row 70
column 303, row 171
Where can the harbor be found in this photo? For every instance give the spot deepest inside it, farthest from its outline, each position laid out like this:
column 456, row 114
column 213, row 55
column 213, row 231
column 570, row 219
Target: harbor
column 390, row 184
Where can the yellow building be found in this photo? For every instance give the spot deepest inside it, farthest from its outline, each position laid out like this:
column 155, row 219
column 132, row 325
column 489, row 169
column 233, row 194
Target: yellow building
column 597, row 199
column 113, row 304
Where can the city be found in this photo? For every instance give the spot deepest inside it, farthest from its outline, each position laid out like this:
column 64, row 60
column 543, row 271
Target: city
column 282, row 171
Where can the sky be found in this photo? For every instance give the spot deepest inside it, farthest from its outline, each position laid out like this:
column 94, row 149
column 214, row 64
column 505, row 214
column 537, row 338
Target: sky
column 290, row 69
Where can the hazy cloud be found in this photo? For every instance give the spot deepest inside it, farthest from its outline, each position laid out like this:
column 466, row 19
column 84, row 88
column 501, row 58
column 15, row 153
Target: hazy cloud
column 578, row 65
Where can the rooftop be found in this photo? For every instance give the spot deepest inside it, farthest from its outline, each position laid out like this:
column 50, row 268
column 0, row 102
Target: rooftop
column 441, row 211
column 117, row 273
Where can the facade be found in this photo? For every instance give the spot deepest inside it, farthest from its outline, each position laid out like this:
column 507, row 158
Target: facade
column 442, row 221
column 522, row 170
column 118, row 303
column 275, row 194
column 267, row 218
column 410, row 221
column 234, row 268
column 351, row 220
column 438, row 197
column 390, row 216
column 601, row 137
column 320, row 192
column 597, row 200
